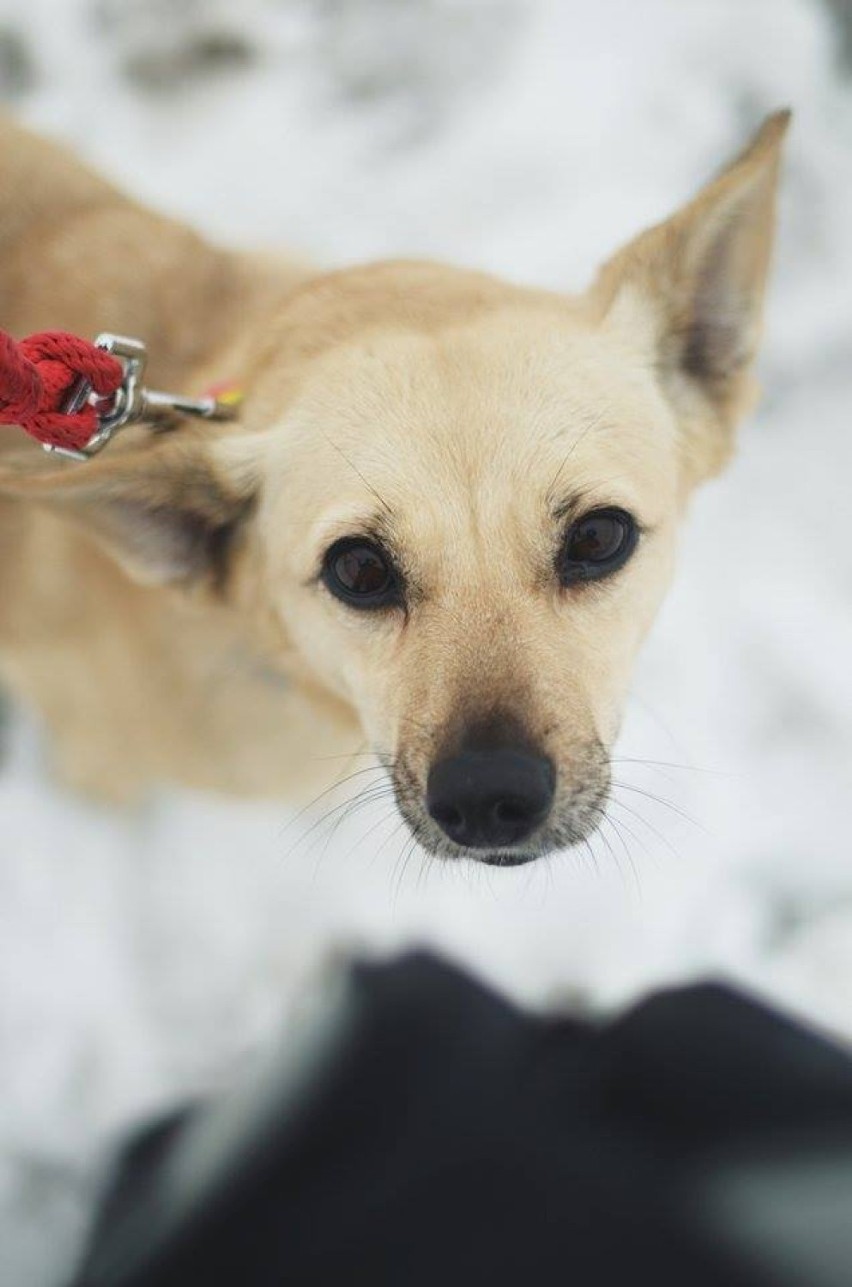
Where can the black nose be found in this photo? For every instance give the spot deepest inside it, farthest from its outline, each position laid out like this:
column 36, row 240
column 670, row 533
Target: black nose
column 487, row 799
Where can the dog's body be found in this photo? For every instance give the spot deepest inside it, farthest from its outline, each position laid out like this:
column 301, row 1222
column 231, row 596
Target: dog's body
column 175, row 609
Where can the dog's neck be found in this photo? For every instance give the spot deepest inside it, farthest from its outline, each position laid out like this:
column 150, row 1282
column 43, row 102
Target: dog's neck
column 203, row 314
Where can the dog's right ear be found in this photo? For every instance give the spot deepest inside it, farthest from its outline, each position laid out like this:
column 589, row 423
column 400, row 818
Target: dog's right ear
column 167, row 512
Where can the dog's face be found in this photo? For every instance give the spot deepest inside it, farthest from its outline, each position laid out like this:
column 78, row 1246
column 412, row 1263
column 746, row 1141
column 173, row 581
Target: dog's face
column 471, row 501
column 468, row 519
column 465, row 499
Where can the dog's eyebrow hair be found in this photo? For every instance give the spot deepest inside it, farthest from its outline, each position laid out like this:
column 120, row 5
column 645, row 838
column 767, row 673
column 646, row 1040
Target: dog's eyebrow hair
column 380, row 528
column 356, row 470
column 591, row 427
column 569, row 507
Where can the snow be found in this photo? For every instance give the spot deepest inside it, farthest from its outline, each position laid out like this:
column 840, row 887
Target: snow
column 145, row 956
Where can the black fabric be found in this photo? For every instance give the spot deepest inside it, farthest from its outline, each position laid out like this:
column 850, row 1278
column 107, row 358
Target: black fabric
column 453, row 1139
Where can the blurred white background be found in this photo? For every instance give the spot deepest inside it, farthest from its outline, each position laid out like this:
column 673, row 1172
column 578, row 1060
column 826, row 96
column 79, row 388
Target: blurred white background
column 143, row 957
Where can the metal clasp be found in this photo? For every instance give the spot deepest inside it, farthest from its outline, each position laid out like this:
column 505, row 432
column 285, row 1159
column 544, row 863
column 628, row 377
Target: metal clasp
column 131, row 402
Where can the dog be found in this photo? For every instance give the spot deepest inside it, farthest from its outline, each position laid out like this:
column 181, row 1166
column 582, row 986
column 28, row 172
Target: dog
column 438, row 533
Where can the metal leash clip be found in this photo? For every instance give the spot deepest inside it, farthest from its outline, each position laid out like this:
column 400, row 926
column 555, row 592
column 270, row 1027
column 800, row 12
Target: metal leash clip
column 132, row 402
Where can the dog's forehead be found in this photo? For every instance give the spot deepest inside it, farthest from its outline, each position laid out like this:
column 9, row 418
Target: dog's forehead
column 513, row 375
column 483, row 425
column 504, row 390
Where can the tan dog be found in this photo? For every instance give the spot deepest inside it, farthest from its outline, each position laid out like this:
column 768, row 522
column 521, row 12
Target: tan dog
column 441, row 528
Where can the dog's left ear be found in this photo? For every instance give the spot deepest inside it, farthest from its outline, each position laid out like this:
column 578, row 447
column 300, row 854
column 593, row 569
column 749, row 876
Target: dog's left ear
column 694, row 286
column 168, row 512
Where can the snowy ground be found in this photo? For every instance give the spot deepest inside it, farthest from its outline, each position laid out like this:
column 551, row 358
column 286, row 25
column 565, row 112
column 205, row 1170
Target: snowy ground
column 144, row 956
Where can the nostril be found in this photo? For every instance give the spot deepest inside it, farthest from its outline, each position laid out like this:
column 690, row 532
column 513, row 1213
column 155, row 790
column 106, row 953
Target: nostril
column 447, row 816
column 511, row 811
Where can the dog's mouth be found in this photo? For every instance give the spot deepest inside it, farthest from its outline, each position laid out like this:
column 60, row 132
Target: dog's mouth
column 506, row 858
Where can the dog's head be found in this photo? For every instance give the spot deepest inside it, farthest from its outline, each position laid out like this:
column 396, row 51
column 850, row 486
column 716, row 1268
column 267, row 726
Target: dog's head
column 457, row 502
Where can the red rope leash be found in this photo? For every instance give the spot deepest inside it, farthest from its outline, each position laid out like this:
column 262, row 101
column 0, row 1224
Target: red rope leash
column 37, row 376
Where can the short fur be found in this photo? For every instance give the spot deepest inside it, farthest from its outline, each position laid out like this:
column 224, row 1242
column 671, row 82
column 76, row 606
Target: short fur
column 161, row 605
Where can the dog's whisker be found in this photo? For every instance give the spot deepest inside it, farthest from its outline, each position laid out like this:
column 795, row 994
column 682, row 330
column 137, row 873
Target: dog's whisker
column 669, row 764
column 634, row 870
column 336, row 785
column 592, row 855
column 598, row 835
column 548, row 866
column 402, row 864
column 372, row 791
column 380, row 822
column 429, row 855
column 655, row 832
column 343, row 755
column 401, row 822
column 604, row 839
column 371, row 795
column 619, row 826
column 649, row 795
column 354, row 807
column 335, row 809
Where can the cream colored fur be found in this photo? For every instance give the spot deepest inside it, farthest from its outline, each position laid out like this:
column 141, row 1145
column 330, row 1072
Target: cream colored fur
column 456, row 410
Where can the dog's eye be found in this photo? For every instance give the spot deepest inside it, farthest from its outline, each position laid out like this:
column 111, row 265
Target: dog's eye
column 596, row 545
column 360, row 573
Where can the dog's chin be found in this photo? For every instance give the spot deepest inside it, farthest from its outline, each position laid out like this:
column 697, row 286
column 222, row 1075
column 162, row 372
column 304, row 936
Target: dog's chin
column 448, row 851
column 502, row 857
column 440, row 846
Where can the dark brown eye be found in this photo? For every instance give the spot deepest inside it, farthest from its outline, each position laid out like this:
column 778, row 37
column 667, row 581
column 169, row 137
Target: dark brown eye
column 597, row 545
column 360, row 573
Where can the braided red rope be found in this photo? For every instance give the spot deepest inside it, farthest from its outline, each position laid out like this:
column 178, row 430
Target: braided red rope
column 37, row 375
